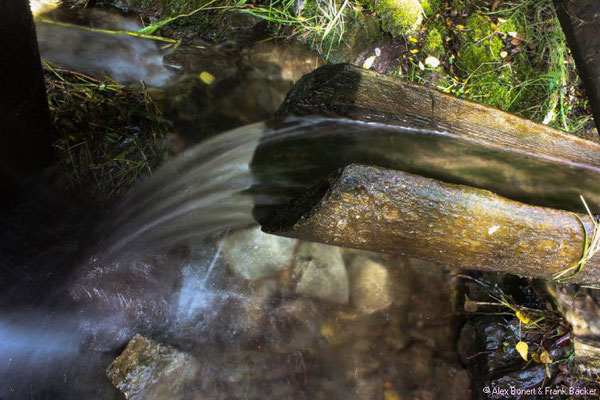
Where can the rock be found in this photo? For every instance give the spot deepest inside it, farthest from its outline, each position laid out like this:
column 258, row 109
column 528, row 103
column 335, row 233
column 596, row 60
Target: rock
column 322, row 273
column 452, row 382
column 417, row 360
column 581, row 308
column 370, row 286
column 252, row 254
column 151, row 371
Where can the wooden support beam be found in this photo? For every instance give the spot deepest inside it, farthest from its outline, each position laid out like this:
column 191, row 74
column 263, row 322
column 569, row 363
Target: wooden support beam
column 394, row 212
column 25, row 136
column 395, row 124
column 580, row 21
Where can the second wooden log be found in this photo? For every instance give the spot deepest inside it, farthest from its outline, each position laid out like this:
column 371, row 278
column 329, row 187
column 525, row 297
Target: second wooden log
column 394, row 212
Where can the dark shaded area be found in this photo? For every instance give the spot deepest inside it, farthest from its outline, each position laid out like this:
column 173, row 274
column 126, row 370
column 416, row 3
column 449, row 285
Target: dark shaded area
column 42, row 240
column 25, row 139
column 580, row 21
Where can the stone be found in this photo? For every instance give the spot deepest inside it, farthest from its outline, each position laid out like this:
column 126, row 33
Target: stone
column 322, row 273
column 452, row 381
column 369, row 285
column 151, row 371
column 252, row 254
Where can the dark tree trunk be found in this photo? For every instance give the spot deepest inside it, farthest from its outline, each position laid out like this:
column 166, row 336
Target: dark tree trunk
column 25, row 135
column 580, row 21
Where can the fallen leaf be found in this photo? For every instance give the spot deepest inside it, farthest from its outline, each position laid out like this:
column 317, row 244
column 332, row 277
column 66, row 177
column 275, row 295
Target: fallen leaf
column 460, row 27
column 522, row 348
column 523, row 317
column 369, row 62
column 503, row 54
column 414, row 51
column 432, row 62
column 421, row 66
column 515, row 42
column 470, row 306
column 206, row 77
column 495, row 5
column 412, row 39
column 545, row 357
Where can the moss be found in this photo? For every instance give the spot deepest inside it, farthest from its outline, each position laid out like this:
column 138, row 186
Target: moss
column 398, row 17
column 431, row 7
column 433, row 44
column 361, row 31
column 480, row 47
column 488, row 80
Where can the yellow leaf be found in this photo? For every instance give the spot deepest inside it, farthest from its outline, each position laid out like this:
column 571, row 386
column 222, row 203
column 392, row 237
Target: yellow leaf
column 536, row 358
column 524, row 318
column 460, row 27
column 414, row 51
column 412, row 39
column 391, row 395
column 369, row 62
column 545, row 357
column 206, row 77
column 522, row 348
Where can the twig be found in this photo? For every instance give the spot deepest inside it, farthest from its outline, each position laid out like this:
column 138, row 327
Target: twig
column 589, row 249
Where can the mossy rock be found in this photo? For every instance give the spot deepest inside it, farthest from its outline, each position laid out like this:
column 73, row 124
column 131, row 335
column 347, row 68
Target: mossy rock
column 431, row 7
column 361, row 31
column 398, row 17
column 480, row 47
column 433, row 45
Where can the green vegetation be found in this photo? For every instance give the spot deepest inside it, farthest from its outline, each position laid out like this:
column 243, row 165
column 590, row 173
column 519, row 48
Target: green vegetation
column 399, row 17
column 511, row 55
column 107, row 136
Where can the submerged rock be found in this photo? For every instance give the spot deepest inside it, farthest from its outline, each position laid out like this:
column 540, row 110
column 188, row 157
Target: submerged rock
column 252, row 254
column 151, row 371
column 370, row 286
column 322, row 273
column 581, row 307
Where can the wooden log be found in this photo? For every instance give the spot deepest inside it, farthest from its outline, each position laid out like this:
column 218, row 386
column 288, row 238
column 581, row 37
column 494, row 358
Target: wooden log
column 423, row 131
column 394, row 212
column 25, row 135
column 580, row 21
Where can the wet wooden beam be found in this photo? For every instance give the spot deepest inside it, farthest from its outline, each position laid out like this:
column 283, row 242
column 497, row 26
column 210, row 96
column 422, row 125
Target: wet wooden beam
column 25, row 136
column 394, row 212
column 580, row 21
column 419, row 130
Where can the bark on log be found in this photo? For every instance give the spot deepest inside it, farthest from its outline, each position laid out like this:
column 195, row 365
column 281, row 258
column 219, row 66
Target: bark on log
column 580, row 21
column 395, row 212
column 436, row 135
column 25, row 136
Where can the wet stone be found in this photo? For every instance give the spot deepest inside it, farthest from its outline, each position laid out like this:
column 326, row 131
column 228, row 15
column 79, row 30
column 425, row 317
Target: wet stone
column 370, row 289
column 321, row 273
column 252, row 254
column 151, row 371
